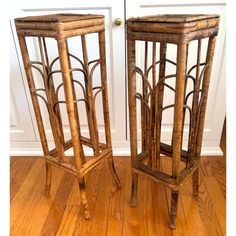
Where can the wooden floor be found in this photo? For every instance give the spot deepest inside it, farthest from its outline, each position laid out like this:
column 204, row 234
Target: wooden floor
column 33, row 214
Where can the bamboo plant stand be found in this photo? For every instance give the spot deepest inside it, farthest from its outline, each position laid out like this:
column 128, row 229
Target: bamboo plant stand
column 61, row 27
column 163, row 30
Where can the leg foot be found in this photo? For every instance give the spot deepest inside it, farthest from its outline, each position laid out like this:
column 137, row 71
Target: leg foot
column 134, row 189
column 173, row 210
column 113, row 172
column 196, row 183
column 48, row 180
column 84, row 198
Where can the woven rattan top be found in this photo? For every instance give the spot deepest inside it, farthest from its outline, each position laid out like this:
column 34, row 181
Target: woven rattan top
column 63, row 17
column 173, row 18
column 172, row 24
column 59, row 25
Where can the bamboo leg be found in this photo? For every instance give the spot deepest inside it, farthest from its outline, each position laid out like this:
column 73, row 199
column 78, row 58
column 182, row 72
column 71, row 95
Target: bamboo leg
column 132, row 116
column 105, row 103
column 185, row 88
column 90, row 110
column 58, row 136
column 74, row 98
column 205, row 87
column 150, row 133
column 178, row 109
column 159, row 104
column 52, row 92
column 134, row 190
column 54, row 121
column 38, row 116
column 29, row 76
column 84, row 200
column 68, row 90
column 144, row 108
column 145, row 113
column 48, row 179
column 196, row 183
column 174, row 207
column 153, row 108
column 113, row 171
column 192, row 133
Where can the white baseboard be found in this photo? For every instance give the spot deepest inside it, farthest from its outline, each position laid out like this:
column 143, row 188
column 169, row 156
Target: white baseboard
column 206, row 151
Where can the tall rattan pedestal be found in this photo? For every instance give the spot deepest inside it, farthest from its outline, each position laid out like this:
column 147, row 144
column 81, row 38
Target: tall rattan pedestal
column 61, row 27
column 147, row 85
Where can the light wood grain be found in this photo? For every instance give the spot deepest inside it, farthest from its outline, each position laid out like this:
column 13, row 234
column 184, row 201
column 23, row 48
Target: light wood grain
column 33, row 214
column 18, row 177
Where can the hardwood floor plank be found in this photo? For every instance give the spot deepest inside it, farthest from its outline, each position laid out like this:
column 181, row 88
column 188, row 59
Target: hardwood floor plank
column 190, row 207
column 150, row 206
column 33, row 214
column 181, row 223
column 68, row 222
column 114, row 228
column 215, row 167
column 53, row 220
column 44, row 205
column 18, row 173
column 131, row 214
column 100, row 216
column 160, row 205
column 82, row 226
column 206, row 166
column 207, row 212
column 117, row 201
column 143, row 204
column 23, row 204
column 219, row 173
column 218, row 201
column 160, row 210
column 72, row 211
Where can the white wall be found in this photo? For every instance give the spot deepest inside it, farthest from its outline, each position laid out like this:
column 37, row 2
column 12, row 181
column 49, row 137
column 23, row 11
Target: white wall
column 24, row 135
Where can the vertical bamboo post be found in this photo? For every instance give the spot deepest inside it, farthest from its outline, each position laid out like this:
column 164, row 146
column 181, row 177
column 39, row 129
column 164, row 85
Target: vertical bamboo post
column 38, row 116
column 132, row 117
column 144, row 108
column 70, row 105
column 205, row 87
column 52, row 91
column 195, row 183
column 54, row 122
column 159, row 103
column 174, row 207
column 153, row 108
column 48, row 179
column 200, row 126
column 102, row 52
column 103, row 69
column 90, row 110
column 193, row 125
column 74, row 99
column 185, row 89
column 178, row 124
column 193, row 120
column 178, row 108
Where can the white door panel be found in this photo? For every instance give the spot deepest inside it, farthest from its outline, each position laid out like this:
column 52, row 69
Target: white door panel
column 24, row 135
column 115, row 42
column 216, row 99
column 21, row 126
